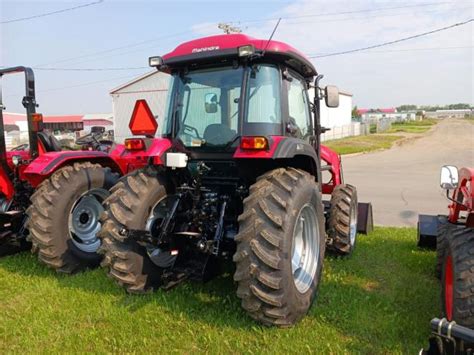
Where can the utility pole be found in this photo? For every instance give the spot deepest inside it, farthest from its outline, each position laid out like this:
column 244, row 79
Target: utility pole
column 228, row 29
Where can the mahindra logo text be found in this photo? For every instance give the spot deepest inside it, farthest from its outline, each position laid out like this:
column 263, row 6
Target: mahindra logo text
column 205, row 49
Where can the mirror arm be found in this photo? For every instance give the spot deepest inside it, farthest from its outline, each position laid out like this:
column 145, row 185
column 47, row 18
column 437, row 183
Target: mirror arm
column 454, row 201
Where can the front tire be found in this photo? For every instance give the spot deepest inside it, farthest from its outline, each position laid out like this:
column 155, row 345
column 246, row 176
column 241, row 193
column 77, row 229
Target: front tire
column 457, row 298
column 63, row 219
column 280, row 247
column 342, row 224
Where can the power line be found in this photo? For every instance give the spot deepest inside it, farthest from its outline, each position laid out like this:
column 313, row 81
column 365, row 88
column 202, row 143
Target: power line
column 137, row 44
column 86, row 84
column 409, row 50
column 90, row 69
column 393, row 42
column 434, row 11
column 78, row 85
column 115, row 48
column 52, row 12
column 343, row 12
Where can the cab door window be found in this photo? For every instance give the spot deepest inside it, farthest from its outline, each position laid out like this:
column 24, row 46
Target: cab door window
column 299, row 120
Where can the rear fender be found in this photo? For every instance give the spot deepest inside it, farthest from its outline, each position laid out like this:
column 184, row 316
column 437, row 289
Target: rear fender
column 131, row 160
column 46, row 164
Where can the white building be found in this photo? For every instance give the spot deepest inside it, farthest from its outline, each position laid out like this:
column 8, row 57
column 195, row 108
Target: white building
column 153, row 87
column 393, row 116
column 450, row 113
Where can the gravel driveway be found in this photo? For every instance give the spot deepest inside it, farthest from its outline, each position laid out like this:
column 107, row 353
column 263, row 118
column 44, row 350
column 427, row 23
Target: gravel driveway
column 404, row 181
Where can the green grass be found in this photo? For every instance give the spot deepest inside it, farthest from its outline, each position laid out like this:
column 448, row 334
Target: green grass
column 378, row 301
column 469, row 119
column 360, row 144
column 412, row 126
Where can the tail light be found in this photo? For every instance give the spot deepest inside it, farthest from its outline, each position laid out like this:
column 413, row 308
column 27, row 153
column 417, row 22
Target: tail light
column 134, row 144
column 37, row 121
column 254, row 143
column 37, row 117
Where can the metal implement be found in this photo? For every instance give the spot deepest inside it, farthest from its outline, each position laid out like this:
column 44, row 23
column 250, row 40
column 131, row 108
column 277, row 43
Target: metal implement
column 449, row 338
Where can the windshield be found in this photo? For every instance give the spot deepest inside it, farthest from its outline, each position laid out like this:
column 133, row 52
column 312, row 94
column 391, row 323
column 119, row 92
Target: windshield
column 205, row 104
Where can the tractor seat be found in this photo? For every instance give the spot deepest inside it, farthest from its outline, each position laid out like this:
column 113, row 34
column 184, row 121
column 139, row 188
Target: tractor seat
column 218, row 134
column 50, row 143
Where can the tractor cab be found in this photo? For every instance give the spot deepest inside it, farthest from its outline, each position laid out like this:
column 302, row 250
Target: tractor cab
column 233, row 90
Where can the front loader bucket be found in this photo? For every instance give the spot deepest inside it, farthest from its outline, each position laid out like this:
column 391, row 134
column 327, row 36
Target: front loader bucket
column 11, row 239
column 365, row 219
column 427, row 231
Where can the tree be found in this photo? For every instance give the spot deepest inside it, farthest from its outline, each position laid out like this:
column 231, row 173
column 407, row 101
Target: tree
column 355, row 112
column 459, row 106
column 406, row 108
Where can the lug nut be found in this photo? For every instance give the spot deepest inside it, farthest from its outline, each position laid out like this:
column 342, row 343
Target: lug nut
column 201, row 245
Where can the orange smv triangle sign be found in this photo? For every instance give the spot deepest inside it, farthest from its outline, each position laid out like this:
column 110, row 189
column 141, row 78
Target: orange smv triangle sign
column 143, row 122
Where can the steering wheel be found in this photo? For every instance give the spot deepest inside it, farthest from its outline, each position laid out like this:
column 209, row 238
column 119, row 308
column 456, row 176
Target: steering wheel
column 192, row 129
column 84, row 140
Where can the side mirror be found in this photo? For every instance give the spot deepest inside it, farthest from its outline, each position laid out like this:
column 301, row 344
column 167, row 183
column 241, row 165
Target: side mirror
column 331, row 96
column 211, row 103
column 449, row 177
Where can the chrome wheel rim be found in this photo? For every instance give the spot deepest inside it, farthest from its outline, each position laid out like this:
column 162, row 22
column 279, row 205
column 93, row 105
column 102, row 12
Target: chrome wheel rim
column 305, row 248
column 84, row 220
column 158, row 213
column 353, row 226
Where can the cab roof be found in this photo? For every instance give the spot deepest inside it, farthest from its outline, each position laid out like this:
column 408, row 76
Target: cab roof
column 222, row 47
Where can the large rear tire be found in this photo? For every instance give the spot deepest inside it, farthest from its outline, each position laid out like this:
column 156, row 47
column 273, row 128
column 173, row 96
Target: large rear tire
column 342, row 224
column 280, row 247
column 129, row 206
column 63, row 219
column 457, row 298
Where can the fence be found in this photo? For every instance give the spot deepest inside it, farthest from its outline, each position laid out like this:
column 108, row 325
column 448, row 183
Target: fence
column 352, row 129
column 384, row 124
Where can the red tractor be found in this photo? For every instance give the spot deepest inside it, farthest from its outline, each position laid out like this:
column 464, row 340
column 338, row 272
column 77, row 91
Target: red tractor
column 453, row 238
column 235, row 175
column 52, row 197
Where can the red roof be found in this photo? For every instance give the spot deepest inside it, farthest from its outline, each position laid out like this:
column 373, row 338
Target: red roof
column 62, row 119
column 387, row 110
column 233, row 41
column 11, row 118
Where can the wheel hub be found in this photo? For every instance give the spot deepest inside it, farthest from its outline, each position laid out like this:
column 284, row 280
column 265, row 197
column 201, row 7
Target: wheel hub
column 305, row 248
column 84, row 220
column 158, row 213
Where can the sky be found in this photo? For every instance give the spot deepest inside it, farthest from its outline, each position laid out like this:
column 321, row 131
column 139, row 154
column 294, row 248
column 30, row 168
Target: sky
column 432, row 70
